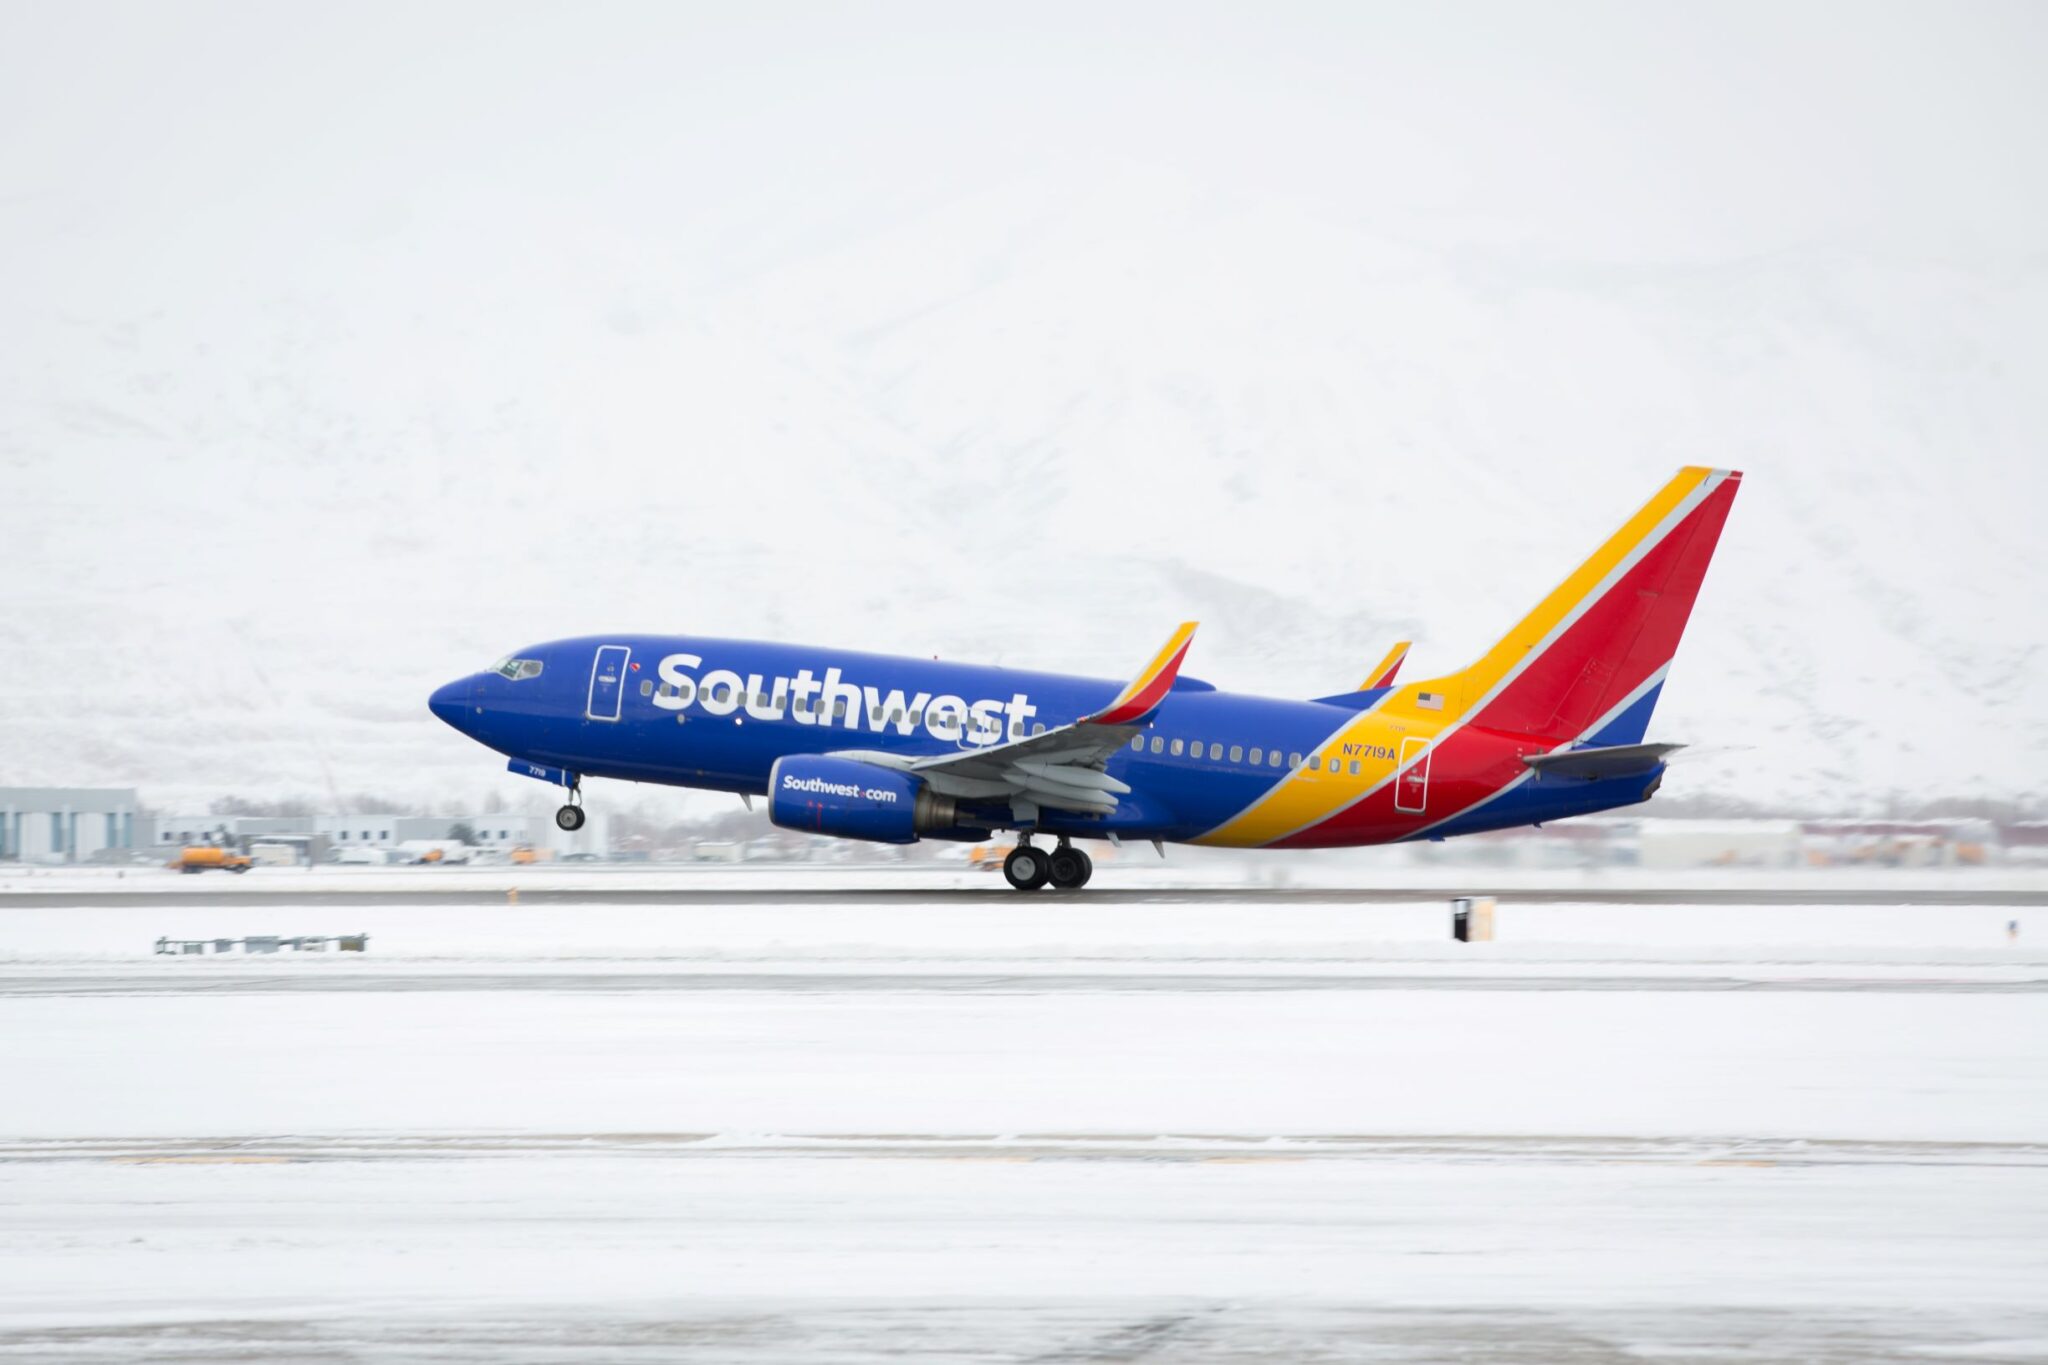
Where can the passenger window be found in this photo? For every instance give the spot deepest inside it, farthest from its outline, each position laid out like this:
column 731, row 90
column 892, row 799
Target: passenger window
column 1294, row 760
column 1258, row 756
column 1273, row 759
column 1158, row 744
column 917, row 717
column 646, row 687
column 1354, row 767
column 895, row 717
column 874, row 715
column 1138, row 743
column 1038, row 728
column 1237, row 754
column 1176, row 747
column 1315, row 763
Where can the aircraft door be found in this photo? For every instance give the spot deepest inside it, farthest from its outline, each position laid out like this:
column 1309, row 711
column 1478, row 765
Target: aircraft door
column 607, row 682
column 1411, row 783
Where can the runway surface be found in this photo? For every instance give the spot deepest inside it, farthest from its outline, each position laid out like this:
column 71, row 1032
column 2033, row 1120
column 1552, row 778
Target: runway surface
column 1020, row 1256
column 256, row 982
column 982, row 1128
column 684, row 896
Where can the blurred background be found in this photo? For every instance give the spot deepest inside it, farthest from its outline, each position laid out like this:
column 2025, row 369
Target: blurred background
column 348, row 349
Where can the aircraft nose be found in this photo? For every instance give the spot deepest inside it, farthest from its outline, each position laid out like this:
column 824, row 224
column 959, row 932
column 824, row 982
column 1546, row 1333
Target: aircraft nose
column 451, row 702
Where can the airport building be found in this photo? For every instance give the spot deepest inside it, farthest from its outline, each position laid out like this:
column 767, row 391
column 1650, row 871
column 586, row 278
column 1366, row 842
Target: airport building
column 322, row 834
column 66, row 824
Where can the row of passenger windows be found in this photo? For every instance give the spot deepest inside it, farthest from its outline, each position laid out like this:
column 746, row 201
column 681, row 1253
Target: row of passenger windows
column 1259, row 757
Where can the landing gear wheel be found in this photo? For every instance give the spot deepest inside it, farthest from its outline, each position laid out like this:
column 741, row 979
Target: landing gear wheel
column 569, row 818
column 1027, row 868
column 1070, row 869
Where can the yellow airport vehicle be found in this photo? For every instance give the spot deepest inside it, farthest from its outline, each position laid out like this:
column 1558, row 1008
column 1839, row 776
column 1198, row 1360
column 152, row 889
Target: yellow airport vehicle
column 201, row 857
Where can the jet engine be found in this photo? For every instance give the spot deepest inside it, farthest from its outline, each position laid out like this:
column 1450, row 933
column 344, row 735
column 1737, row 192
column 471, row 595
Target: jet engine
column 849, row 799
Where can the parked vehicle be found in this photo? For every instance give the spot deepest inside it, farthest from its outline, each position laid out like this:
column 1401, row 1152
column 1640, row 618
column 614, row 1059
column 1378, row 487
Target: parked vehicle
column 362, row 855
column 201, row 857
column 432, row 851
column 988, row 857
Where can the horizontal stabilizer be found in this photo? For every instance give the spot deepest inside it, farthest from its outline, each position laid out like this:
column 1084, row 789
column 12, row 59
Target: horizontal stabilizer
column 1362, row 700
column 1590, row 765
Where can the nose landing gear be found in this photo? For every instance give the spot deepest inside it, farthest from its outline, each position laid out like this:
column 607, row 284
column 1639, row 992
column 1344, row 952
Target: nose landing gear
column 570, row 816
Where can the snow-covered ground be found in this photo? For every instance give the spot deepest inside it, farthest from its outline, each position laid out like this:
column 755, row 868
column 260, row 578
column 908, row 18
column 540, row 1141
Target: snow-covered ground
column 745, row 1259
column 1190, row 870
column 1000, row 1129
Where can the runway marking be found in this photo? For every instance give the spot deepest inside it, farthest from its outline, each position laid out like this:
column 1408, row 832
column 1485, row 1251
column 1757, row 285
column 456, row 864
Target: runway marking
column 1707, row 978
column 1024, row 1148
column 203, row 1160
column 427, row 895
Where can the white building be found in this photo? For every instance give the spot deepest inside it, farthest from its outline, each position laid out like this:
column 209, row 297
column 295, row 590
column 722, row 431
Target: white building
column 502, row 832
column 66, row 824
column 1719, row 843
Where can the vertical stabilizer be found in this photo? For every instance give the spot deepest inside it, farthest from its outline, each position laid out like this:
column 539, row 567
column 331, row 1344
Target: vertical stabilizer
column 1588, row 662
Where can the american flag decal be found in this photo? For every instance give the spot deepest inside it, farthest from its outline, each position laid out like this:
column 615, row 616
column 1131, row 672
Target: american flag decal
column 1430, row 701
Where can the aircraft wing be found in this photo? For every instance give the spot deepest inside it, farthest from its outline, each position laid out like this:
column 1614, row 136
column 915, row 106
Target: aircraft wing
column 1383, row 674
column 1060, row 768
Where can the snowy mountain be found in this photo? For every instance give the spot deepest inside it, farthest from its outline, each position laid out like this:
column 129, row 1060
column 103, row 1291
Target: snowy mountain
column 275, row 468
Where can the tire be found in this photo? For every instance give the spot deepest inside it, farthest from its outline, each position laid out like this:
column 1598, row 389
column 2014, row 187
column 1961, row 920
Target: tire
column 1087, row 868
column 1027, row 868
column 239, row 868
column 569, row 818
column 1069, row 869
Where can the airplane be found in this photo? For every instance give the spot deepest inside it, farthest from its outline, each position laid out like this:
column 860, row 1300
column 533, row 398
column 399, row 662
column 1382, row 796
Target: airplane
column 1548, row 723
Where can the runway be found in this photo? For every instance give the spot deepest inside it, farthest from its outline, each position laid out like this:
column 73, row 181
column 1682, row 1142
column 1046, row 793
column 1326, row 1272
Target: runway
column 257, row 982
column 970, row 1126
column 684, row 896
column 747, row 1259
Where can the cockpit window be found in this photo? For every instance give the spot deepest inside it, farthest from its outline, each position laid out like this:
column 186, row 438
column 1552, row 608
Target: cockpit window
column 517, row 669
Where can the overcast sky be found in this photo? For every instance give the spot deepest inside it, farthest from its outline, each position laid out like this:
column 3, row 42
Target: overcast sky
column 715, row 134
column 314, row 309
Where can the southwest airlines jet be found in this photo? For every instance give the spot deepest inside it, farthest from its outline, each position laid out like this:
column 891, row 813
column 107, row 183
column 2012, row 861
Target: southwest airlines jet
column 1549, row 723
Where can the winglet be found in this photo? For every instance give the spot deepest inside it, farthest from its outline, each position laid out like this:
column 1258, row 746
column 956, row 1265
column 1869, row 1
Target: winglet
column 1383, row 673
column 1150, row 687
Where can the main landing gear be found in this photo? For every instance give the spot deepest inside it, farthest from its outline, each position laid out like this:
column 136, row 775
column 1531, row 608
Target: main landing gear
column 1067, row 868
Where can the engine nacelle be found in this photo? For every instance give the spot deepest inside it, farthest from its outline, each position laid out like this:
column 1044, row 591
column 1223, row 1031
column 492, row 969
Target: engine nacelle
column 849, row 799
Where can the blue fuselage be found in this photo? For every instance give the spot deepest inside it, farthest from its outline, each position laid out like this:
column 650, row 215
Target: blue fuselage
column 717, row 713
